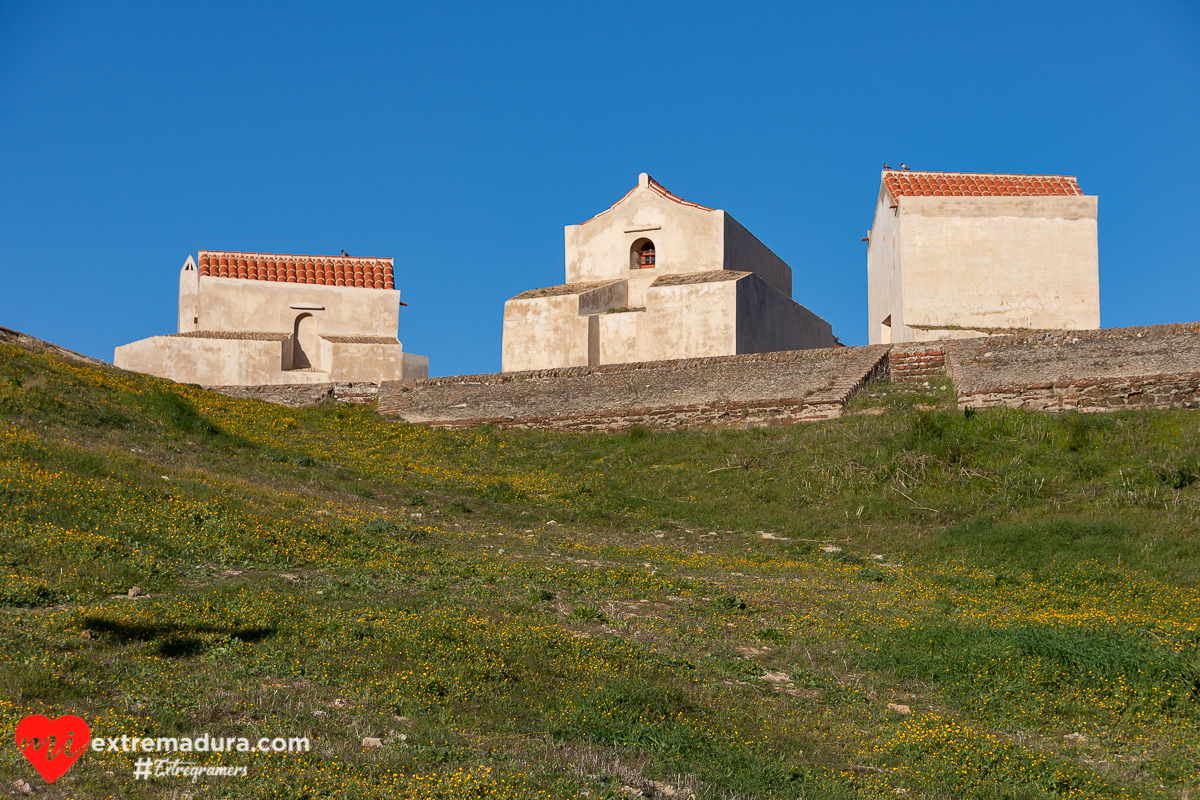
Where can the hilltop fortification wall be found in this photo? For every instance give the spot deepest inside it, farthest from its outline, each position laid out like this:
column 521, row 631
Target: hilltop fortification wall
column 1156, row 366
column 716, row 392
column 299, row 395
column 1153, row 366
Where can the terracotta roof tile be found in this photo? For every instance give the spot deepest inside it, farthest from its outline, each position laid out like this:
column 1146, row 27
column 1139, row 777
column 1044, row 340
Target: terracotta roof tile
column 902, row 183
column 657, row 188
column 369, row 273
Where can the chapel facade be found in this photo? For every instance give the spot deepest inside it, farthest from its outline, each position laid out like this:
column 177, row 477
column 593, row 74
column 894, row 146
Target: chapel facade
column 654, row 278
column 263, row 318
column 955, row 255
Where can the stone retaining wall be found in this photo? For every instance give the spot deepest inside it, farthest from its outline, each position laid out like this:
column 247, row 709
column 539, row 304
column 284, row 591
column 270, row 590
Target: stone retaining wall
column 302, row 395
column 718, row 392
column 1154, row 366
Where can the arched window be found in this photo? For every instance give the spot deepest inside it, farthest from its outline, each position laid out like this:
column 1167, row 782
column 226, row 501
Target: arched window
column 641, row 255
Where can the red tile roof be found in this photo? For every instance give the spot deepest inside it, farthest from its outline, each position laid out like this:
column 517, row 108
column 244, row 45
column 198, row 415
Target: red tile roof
column 964, row 184
column 364, row 273
column 657, row 188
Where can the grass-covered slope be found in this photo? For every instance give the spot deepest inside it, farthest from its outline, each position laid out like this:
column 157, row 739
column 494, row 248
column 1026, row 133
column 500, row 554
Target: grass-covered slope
column 521, row 614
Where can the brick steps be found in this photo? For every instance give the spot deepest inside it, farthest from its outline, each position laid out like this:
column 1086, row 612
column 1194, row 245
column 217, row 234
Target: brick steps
column 910, row 362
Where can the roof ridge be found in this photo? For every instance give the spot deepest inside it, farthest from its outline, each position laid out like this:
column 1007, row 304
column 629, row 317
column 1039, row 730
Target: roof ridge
column 294, row 255
column 992, row 174
column 655, row 187
column 361, row 272
column 665, row 192
column 914, row 183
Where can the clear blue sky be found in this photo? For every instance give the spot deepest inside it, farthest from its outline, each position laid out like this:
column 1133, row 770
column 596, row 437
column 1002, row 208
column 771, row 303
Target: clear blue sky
column 461, row 137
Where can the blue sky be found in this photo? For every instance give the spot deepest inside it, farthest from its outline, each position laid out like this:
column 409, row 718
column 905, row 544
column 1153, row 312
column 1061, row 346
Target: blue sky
column 461, row 137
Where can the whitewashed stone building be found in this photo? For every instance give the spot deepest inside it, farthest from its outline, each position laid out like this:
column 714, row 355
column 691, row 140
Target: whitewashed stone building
column 260, row 318
column 956, row 255
column 653, row 278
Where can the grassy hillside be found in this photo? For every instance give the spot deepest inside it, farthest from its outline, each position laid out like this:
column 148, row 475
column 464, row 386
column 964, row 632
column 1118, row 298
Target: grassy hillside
column 526, row 614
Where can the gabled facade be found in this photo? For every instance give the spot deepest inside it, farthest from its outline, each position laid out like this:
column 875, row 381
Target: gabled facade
column 261, row 318
column 654, row 278
column 956, row 255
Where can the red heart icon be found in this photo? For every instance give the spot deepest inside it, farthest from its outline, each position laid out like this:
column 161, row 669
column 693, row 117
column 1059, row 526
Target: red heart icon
column 33, row 737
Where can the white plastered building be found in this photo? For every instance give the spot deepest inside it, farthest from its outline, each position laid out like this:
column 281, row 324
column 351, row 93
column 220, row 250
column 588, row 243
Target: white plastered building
column 263, row 318
column 654, row 278
column 955, row 255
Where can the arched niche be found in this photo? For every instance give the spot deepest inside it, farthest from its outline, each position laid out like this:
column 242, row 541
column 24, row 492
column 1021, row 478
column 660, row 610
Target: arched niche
column 642, row 255
column 304, row 341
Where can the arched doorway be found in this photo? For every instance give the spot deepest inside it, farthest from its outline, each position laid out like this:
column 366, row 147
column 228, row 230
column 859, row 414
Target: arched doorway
column 642, row 255
column 304, row 341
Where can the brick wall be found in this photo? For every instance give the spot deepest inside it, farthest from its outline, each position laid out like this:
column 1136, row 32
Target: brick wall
column 916, row 361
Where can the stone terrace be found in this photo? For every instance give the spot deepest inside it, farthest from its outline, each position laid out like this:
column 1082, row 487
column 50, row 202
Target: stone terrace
column 1156, row 366
column 718, row 392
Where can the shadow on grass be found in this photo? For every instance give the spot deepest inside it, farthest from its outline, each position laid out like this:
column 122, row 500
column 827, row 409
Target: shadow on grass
column 175, row 641
column 1048, row 547
column 1021, row 666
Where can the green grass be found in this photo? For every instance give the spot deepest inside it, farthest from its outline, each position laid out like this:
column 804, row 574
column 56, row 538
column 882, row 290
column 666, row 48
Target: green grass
column 722, row 614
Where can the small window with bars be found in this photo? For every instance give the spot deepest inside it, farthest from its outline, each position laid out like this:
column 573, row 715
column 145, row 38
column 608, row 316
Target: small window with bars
column 642, row 255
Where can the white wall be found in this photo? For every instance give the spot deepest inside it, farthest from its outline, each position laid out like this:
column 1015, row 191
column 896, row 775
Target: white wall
column 209, row 362
column 544, row 333
column 884, row 271
column 745, row 253
column 234, row 304
column 1000, row 262
column 189, row 297
column 620, row 335
column 723, row 313
column 690, row 320
column 267, row 313
column 982, row 263
column 686, row 239
column 678, row 322
column 769, row 321
column 364, row 361
column 212, row 361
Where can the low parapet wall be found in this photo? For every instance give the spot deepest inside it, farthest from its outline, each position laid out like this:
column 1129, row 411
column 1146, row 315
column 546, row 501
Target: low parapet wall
column 1154, row 366
column 718, row 392
column 300, row 395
